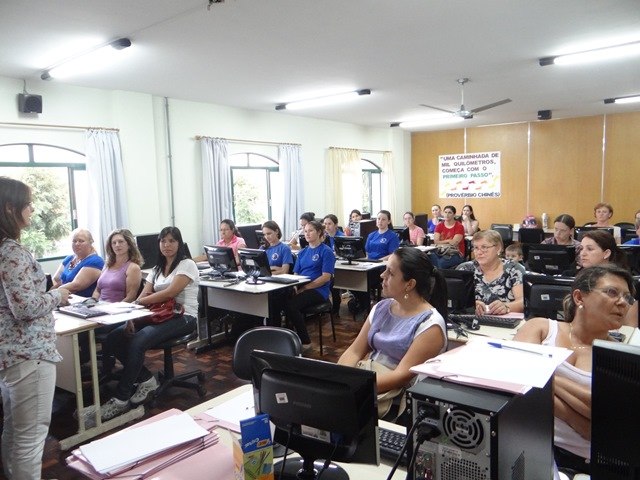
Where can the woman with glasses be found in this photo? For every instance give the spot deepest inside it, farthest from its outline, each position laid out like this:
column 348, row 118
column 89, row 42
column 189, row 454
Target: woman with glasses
column 600, row 299
column 449, row 238
column 498, row 281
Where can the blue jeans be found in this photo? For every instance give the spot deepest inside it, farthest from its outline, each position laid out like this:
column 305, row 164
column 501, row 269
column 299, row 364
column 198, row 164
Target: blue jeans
column 131, row 349
column 27, row 396
column 444, row 261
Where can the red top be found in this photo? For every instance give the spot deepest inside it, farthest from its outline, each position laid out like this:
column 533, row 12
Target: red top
column 449, row 233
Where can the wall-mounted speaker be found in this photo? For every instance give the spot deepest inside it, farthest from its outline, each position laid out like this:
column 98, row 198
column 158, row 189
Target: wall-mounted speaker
column 544, row 114
column 28, row 103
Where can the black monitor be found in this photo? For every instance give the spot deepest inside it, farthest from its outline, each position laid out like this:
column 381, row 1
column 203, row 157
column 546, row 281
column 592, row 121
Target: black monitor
column 248, row 234
column 403, row 235
column 365, row 216
column 580, row 231
column 149, row 247
column 530, row 235
column 615, row 392
column 321, row 410
column 222, row 259
column 262, row 243
column 422, row 220
column 349, row 248
column 544, row 295
column 254, row 264
column 550, row 259
column 461, row 290
column 633, row 257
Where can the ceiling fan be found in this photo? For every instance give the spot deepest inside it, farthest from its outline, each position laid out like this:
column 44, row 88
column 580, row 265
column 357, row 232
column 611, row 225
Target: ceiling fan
column 463, row 112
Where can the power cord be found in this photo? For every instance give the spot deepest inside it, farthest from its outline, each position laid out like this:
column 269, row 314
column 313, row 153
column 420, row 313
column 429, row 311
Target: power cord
column 425, row 433
column 417, row 423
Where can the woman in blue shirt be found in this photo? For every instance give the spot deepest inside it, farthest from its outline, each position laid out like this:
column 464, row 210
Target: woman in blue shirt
column 317, row 262
column 79, row 272
column 279, row 254
column 381, row 244
column 330, row 223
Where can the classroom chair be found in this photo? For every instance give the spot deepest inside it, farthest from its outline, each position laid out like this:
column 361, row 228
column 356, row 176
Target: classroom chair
column 320, row 310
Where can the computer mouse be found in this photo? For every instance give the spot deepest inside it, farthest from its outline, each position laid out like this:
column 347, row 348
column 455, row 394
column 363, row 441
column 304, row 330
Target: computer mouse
column 475, row 325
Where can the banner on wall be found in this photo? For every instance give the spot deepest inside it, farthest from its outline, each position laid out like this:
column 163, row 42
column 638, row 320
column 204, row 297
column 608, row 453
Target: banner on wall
column 470, row 175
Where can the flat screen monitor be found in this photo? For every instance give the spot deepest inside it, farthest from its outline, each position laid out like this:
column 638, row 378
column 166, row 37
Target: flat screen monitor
column 321, row 410
column 615, row 393
column 544, row 295
column 580, row 231
column 262, row 243
column 221, row 259
column 303, row 241
column 365, row 216
column 531, row 235
column 633, row 257
column 422, row 220
column 149, row 247
column 254, row 264
column 349, row 248
column 461, row 290
column 248, row 234
column 550, row 259
column 403, row 235
column 367, row 227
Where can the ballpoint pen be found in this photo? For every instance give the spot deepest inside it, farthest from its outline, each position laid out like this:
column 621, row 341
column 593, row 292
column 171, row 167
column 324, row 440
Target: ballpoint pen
column 518, row 349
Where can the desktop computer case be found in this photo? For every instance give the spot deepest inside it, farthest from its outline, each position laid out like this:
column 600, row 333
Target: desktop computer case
column 484, row 434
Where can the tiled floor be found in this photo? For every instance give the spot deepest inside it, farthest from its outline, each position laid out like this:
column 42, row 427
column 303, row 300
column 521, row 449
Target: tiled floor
column 219, row 379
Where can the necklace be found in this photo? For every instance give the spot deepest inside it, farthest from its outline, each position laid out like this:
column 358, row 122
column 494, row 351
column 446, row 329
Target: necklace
column 573, row 345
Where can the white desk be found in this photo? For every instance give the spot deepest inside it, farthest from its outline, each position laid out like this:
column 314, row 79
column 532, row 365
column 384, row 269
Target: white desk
column 358, row 276
column 356, row 471
column 68, row 376
column 493, row 332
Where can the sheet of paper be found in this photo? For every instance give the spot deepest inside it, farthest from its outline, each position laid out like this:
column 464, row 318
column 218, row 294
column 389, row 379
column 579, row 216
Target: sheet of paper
column 232, row 411
column 131, row 445
column 122, row 316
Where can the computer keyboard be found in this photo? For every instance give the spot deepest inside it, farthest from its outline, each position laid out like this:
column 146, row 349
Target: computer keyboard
column 485, row 320
column 391, row 444
column 284, row 280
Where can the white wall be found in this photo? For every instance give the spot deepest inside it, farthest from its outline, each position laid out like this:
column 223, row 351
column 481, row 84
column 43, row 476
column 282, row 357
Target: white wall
column 143, row 135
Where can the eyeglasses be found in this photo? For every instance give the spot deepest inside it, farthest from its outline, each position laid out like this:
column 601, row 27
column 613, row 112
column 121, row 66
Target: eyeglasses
column 615, row 294
column 482, row 248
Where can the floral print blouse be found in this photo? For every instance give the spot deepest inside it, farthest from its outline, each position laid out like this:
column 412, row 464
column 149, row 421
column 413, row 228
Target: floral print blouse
column 26, row 322
column 501, row 287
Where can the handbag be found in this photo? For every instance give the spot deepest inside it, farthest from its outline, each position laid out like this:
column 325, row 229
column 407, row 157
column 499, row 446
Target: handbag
column 447, row 250
column 385, row 400
column 163, row 311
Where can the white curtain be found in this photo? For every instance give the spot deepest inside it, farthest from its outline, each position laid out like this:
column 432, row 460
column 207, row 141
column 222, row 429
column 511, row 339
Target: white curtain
column 217, row 200
column 107, row 196
column 290, row 160
column 344, row 182
column 389, row 201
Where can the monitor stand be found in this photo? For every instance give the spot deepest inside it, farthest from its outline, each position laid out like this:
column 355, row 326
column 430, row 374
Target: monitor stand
column 301, row 469
column 253, row 280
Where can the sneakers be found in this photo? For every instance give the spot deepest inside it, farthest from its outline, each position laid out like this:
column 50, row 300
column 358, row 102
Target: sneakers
column 109, row 410
column 145, row 391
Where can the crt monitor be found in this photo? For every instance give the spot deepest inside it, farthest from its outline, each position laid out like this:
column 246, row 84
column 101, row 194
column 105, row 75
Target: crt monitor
column 222, row 259
column 149, row 247
column 254, row 264
column 320, row 410
column 615, row 393
column 550, row 259
column 461, row 290
column 349, row 248
column 544, row 295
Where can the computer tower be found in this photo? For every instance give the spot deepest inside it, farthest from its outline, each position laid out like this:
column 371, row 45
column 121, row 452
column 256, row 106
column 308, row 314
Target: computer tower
column 481, row 434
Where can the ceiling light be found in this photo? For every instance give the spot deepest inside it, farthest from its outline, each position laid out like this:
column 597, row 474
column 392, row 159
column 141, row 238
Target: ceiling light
column 87, row 61
column 427, row 122
column 605, row 53
column 623, row 100
column 322, row 101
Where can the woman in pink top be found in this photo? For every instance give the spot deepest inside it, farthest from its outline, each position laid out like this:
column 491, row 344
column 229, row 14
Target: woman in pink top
column 121, row 277
column 230, row 237
column 416, row 234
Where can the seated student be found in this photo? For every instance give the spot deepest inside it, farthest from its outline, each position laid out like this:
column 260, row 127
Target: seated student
column 121, row 277
column 79, row 272
column 407, row 327
column 174, row 276
column 498, row 282
column 600, row 298
column 354, row 217
column 229, row 237
column 279, row 254
column 635, row 241
column 597, row 247
column 514, row 253
column 563, row 232
column 449, row 238
column 305, row 218
column 469, row 222
column 330, row 223
column 416, row 233
column 317, row 262
column 603, row 213
column 436, row 218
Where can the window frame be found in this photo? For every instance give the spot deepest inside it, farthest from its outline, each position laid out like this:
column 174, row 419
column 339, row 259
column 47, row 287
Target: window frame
column 268, row 171
column 370, row 171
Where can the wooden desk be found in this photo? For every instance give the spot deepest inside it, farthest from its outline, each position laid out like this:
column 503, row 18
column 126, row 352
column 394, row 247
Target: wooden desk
column 68, row 376
column 356, row 471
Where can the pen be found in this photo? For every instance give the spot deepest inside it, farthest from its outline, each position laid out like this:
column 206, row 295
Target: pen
column 517, row 349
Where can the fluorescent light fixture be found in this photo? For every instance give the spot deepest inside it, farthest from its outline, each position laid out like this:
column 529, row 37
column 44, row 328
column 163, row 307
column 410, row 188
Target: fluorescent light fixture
column 596, row 55
column 623, row 100
column 91, row 60
column 428, row 122
column 322, row 101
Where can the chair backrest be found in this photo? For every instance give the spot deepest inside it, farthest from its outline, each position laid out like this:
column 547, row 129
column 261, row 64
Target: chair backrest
column 505, row 230
column 544, row 295
column 627, row 225
column 270, row 339
column 531, row 235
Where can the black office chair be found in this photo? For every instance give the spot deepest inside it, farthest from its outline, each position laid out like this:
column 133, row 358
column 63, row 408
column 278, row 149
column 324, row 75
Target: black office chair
column 531, row 235
column 320, row 310
column 626, row 225
column 272, row 339
column 506, row 232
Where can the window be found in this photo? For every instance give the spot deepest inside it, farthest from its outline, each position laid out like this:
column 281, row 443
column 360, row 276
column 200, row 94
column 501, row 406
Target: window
column 58, row 179
column 258, row 193
column 371, row 187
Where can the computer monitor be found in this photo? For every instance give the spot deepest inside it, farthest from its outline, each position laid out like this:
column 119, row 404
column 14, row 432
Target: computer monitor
column 403, row 235
column 262, row 243
column 222, row 259
column 530, row 235
column 615, row 392
column 422, row 220
column 550, row 259
column 349, row 248
column 580, row 231
column 633, row 257
column 254, row 264
column 367, row 227
column 365, row 216
column 544, row 295
column 320, row 410
column 149, row 247
column 461, row 290
column 248, row 234
column 302, row 240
